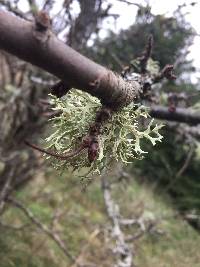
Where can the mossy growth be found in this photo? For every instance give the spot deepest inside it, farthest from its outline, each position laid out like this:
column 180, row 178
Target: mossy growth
column 119, row 140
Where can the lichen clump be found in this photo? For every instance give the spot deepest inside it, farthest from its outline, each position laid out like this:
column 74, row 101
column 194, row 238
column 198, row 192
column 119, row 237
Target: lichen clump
column 120, row 138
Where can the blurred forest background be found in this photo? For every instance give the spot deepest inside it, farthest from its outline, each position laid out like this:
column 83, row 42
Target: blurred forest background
column 52, row 219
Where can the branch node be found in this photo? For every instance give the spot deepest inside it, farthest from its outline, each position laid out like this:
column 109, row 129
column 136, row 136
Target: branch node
column 95, row 83
column 42, row 21
column 42, row 26
column 167, row 72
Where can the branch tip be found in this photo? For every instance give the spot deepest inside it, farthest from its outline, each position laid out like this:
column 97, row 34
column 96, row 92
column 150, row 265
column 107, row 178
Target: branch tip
column 146, row 54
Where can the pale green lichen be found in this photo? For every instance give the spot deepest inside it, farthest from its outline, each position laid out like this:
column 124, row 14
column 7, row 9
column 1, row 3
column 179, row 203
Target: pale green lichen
column 120, row 139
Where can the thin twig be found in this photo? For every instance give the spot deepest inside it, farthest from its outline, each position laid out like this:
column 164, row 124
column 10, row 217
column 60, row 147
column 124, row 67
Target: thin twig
column 183, row 168
column 41, row 226
column 14, row 227
column 122, row 249
column 186, row 162
column 56, row 155
column 166, row 72
column 129, row 3
column 146, row 55
column 5, row 190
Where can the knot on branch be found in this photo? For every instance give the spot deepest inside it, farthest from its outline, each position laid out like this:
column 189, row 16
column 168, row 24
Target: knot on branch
column 42, row 21
column 119, row 92
column 42, row 26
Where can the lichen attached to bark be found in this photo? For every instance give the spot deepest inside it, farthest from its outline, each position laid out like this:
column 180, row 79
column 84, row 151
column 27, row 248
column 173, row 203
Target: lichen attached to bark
column 119, row 140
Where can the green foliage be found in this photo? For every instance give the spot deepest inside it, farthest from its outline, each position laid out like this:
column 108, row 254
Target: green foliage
column 120, row 139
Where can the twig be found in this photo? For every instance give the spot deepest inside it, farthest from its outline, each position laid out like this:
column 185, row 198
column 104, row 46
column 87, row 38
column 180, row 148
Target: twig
column 117, row 60
column 48, row 4
column 14, row 227
column 4, row 192
column 182, row 169
column 166, row 72
column 41, row 226
column 146, row 55
column 129, row 3
column 186, row 162
column 54, row 154
column 122, row 249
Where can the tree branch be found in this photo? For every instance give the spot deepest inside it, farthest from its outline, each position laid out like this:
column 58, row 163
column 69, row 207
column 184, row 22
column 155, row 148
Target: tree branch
column 179, row 115
column 122, row 249
column 42, row 48
column 37, row 45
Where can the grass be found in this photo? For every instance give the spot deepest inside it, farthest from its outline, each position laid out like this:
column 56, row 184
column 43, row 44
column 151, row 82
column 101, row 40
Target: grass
column 81, row 222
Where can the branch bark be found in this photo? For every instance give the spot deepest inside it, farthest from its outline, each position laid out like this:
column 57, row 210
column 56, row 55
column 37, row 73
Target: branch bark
column 42, row 48
column 180, row 115
column 122, row 249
